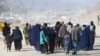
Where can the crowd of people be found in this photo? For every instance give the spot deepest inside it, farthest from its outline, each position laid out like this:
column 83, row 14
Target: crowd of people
column 69, row 36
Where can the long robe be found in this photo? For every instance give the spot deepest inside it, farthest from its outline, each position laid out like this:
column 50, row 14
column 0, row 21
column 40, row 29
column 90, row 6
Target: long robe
column 17, row 36
column 35, row 37
column 52, row 36
column 86, row 40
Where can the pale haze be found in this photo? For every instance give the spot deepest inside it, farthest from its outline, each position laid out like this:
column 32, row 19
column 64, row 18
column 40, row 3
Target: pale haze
column 54, row 4
column 42, row 10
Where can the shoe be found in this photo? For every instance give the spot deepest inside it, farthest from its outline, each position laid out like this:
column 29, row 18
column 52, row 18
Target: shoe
column 67, row 53
column 51, row 52
column 47, row 53
column 9, row 50
column 74, row 53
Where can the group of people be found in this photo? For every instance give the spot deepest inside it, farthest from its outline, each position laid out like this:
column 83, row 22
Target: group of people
column 70, row 36
column 15, row 36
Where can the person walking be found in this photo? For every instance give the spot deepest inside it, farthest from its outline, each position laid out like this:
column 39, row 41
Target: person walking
column 44, row 39
column 6, row 33
column 62, row 33
column 26, row 33
column 67, row 43
column 86, row 41
column 9, row 40
column 52, row 36
column 35, row 37
column 75, row 38
column 92, row 29
column 57, row 40
column 17, row 36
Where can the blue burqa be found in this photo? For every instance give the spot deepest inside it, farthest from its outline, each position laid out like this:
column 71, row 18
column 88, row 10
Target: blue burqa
column 86, row 40
column 35, row 37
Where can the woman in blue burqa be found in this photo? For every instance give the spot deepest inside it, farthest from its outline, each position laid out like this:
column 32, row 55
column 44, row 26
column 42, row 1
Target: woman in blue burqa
column 35, row 36
column 86, row 39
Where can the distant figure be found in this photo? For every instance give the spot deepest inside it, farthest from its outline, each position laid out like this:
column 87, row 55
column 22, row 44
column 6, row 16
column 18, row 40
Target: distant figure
column 92, row 29
column 6, row 32
column 26, row 33
column 98, row 19
column 17, row 36
column 30, row 28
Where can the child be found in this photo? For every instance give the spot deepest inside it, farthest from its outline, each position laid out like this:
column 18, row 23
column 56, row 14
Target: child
column 9, row 42
column 67, row 43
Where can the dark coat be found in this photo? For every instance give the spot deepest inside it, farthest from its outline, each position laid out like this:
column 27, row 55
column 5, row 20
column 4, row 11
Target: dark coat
column 52, row 36
column 17, row 35
column 6, row 30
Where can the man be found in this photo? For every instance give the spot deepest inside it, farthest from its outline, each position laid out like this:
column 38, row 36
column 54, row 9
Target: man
column 92, row 30
column 57, row 40
column 52, row 36
column 75, row 38
column 62, row 33
column 6, row 32
column 26, row 33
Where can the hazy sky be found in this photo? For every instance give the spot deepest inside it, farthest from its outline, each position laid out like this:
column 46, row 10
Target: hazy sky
column 54, row 4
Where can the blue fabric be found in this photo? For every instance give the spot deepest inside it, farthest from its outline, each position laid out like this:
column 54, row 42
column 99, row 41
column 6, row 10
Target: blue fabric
column 51, row 35
column 43, row 38
column 86, row 40
column 66, row 42
column 35, row 36
column 75, row 43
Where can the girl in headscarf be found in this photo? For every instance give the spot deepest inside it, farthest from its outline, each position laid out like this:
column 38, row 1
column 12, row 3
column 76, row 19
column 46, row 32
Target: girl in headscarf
column 44, row 39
